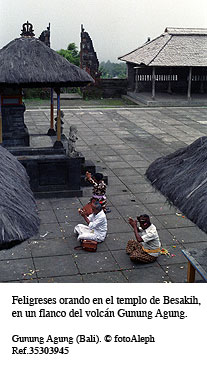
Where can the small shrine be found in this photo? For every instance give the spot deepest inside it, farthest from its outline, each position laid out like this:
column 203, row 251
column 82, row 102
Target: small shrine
column 28, row 62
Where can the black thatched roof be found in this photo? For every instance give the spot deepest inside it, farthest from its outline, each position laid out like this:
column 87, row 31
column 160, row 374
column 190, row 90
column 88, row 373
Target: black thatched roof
column 28, row 62
column 182, row 178
column 18, row 214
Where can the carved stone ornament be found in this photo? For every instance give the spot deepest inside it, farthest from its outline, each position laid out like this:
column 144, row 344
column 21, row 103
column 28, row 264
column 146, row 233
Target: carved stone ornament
column 27, row 30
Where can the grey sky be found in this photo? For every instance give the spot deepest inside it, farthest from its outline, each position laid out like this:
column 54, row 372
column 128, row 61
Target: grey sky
column 115, row 26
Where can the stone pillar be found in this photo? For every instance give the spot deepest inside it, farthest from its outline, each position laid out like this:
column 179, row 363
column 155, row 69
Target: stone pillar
column 136, row 81
column 15, row 132
column 131, row 77
column 153, row 83
column 189, row 83
column 51, row 131
column 58, row 143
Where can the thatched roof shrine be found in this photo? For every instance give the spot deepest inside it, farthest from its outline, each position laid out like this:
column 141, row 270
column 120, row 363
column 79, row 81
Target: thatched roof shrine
column 18, row 213
column 28, row 62
column 175, row 47
column 182, row 178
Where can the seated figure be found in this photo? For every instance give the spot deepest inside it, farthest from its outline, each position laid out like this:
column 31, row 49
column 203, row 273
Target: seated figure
column 96, row 227
column 99, row 189
column 146, row 247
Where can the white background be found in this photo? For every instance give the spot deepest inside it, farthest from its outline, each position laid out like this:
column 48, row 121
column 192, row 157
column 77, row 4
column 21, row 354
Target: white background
column 179, row 347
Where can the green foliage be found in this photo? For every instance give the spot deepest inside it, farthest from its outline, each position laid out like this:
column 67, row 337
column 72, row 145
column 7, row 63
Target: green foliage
column 41, row 93
column 112, row 70
column 71, row 54
column 73, row 49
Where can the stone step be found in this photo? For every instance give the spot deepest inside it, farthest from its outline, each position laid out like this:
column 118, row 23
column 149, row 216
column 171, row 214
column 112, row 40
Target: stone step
column 58, row 194
column 68, row 96
column 28, row 151
column 164, row 101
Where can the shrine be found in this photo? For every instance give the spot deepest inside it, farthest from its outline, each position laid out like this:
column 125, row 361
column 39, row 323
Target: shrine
column 28, row 62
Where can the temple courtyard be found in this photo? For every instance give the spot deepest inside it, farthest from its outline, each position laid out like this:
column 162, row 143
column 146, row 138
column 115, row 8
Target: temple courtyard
column 122, row 142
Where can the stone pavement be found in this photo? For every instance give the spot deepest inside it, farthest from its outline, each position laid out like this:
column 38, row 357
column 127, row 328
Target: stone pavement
column 122, row 143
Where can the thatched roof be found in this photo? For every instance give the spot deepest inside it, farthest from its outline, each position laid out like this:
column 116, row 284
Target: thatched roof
column 175, row 47
column 18, row 214
column 182, row 178
column 28, row 62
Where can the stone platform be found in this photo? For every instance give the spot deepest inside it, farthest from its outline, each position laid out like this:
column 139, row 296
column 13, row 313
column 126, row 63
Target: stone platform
column 165, row 99
column 51, row 171
column 121, row 143
column 68, row 96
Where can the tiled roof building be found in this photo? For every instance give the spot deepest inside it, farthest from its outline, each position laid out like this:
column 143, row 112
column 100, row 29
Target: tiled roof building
column 176, row 61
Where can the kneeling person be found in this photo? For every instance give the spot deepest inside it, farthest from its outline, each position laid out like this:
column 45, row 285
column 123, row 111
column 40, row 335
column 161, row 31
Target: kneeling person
column 96, row 227
column 146, row 248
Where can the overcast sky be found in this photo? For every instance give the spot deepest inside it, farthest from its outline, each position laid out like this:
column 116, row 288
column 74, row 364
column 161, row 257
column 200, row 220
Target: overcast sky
column 115, row 26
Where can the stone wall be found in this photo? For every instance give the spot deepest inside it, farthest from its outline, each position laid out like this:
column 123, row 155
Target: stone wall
column 106, row 88
column 113, row 87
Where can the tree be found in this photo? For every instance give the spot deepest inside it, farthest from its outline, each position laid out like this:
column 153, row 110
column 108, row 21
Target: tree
column 71, row 54
column 112, row 70
column 74, row 49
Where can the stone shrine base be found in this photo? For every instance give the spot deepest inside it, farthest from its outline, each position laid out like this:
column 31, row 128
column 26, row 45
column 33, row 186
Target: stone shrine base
column 51, row 171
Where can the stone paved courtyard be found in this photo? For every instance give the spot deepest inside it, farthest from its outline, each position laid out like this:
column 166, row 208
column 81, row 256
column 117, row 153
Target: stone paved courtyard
column 122, row 143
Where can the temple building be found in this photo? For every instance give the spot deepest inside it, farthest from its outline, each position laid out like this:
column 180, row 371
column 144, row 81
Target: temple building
column 45, row 36
column 88, row 58
column 174, row 63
